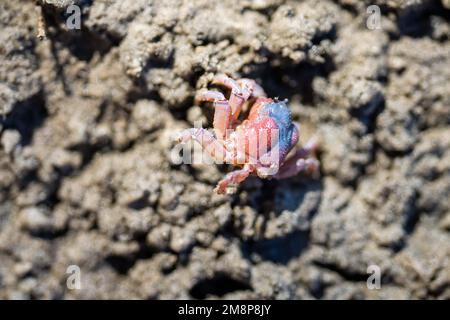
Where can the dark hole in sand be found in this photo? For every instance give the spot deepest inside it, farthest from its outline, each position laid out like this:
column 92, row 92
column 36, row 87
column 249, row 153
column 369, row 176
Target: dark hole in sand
column 26, row 117
column 279, row 250
column 219, row 285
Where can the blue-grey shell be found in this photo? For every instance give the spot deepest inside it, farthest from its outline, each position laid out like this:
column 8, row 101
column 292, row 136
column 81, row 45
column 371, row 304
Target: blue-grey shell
column 279, row 111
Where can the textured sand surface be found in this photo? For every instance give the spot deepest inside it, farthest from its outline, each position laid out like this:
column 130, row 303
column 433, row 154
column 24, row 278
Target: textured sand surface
column 86, row 119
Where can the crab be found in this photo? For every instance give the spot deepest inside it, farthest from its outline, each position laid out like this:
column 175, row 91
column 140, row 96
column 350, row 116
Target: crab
column 262, row 144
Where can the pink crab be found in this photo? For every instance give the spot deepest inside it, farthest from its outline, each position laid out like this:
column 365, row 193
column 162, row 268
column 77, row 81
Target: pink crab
column 260, row 144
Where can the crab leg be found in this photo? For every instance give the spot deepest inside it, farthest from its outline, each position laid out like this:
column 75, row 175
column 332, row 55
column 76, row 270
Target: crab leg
column 209, row 143
column 255, row 89
column 222, row 110
column 209, row 96
column 297, row 162
column 238, row 95
column 234, row 177
column 307, row 149
column 293, row 168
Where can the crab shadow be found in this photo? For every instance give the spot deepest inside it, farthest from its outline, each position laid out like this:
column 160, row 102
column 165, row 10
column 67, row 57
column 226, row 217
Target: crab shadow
column 290, row 205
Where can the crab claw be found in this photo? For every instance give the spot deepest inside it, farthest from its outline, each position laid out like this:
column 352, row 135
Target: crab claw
column 180, row 137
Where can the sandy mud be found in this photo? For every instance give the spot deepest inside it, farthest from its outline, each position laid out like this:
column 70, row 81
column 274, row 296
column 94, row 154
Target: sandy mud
column 87, row 116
